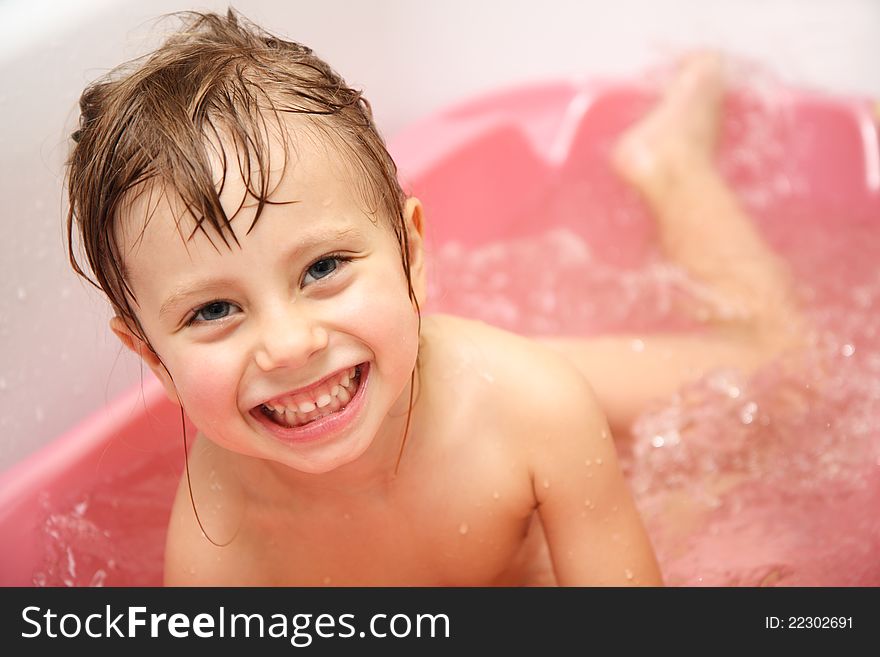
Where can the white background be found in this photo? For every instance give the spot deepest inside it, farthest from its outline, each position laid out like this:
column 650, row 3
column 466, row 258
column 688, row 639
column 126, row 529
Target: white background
column 58, row 361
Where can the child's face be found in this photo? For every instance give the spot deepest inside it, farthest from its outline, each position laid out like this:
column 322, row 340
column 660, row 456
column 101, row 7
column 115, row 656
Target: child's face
column 315, row 289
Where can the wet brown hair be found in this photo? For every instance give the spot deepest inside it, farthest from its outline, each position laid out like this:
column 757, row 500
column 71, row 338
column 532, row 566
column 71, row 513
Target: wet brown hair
column 218, row 82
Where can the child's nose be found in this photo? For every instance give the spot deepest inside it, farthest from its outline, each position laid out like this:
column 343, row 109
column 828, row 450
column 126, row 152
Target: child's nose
column 288, row 339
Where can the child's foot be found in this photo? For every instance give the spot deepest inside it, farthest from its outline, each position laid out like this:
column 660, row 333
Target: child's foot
column 680, row 132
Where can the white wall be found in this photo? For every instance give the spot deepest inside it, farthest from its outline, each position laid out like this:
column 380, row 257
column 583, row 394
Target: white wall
column 58, row 361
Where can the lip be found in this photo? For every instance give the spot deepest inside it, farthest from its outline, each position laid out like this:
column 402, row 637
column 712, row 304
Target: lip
column 324, row 427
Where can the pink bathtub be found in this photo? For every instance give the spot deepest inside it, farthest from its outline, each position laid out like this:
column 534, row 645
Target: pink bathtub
column 91, row 507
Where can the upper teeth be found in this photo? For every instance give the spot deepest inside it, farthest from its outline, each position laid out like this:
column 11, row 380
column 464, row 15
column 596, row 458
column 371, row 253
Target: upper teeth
column 339, row 387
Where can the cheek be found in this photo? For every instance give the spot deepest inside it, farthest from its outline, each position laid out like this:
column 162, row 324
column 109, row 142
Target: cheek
column 383, row 316
column 207, row 382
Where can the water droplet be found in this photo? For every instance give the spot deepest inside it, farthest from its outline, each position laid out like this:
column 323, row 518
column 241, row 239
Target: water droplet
column 192, row 570
column 598, row 461
column 21, row 293
column 463, row 528
column 40, row 414
column 347, row 516
column 604, row 433
column 658, row 441
column 588, row 462
column 98, row 578
column 488, row 377
column 628, row 573
column 637, row 345
column 3, row 384
column 546, row 483
column 747, row 413
column 496, row 495
column 80, row 509
column 326, row 580
column 588, row 503
column 733, row 392
column 847, row 350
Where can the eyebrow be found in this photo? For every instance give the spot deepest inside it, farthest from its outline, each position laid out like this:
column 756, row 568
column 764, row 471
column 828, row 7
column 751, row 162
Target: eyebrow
column 200, row 287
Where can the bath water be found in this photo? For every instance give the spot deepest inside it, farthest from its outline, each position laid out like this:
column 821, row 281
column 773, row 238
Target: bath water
column 768, row 479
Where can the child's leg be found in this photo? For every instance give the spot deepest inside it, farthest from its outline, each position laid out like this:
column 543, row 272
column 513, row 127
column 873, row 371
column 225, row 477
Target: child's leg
column 748, row 305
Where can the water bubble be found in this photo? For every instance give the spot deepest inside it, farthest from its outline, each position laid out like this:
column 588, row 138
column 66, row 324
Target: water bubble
column 658, row 441
column 637, row 345
column 588, row 463
column 327, row 580
column 3, row 384
column 847, row 350
column 598, row 461
column 496, row 495
column 463, row 528
column 628, row 573
column 546, row 483
column 40, row 414
column 21, row 293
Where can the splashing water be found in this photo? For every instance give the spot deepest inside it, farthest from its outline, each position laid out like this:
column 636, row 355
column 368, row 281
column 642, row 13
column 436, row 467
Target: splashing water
column 761, row 480
column 113, row 534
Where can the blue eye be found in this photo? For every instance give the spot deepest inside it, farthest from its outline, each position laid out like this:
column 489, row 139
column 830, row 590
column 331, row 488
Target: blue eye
column 213, row 311
column 324, row 267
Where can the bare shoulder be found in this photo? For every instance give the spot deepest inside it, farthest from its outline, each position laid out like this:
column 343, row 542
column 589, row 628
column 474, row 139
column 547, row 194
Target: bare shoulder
column 556, row 431
column 534, row 386
column 204, row 545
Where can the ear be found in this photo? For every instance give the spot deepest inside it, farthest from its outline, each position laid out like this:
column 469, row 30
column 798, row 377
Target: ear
column 134, row 343
column 413, row 215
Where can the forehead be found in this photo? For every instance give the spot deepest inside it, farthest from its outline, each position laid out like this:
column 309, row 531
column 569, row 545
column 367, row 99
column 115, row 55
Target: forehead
column 295, row 162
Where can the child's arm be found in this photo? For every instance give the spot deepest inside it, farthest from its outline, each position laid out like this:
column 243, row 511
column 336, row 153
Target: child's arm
column 593, row 528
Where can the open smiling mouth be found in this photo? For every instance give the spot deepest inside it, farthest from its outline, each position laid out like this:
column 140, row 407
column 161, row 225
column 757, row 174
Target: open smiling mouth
column 331, row 396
